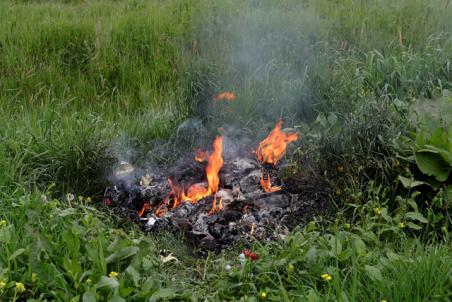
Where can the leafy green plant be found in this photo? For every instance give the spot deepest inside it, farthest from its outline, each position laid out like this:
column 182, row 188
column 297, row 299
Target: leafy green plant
column 429, row 150
column 434, row 152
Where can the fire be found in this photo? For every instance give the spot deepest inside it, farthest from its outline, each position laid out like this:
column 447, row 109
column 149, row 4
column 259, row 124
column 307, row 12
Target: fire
column 273, row 147
column 146, row 206
column 197, row 191
column 227, row 95
column 267, row 185
column 201, row 156
column 161, row 210
column 271, row 150
column 216, row 209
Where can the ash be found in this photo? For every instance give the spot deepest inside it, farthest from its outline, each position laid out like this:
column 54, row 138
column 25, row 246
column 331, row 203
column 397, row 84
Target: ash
column 248, row 212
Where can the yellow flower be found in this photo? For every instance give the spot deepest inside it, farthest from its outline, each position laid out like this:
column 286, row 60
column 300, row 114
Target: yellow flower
column 2, row 285
column 89, row 281
column 396, row 164
column 3, row 223
column 402, row 225
column 347, row 226
column 20, row 287
column 88, row 200
column 290, row 268
column 326, row 277
column 377, row 211
column 383, row 301
column 264, row 295
column 113, row 274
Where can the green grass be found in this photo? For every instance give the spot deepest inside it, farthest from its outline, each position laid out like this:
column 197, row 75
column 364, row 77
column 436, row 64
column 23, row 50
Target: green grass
column 82, row 82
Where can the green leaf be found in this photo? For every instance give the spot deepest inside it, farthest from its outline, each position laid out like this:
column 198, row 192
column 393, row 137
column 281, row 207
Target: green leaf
column 117, row 298
column 89, row 296
column 122, row 253
column 162, row 294
column 5, row 235
column 335, row 245
column 374, row 272
column 75, row 299
column 413, row 226
column 134, row 274
column 67, row 212
column 312, row 296
column 332, row 118
column 416, row 216
column 408, row 183
column 107, row 282
column 432, row 164
column 439, row 138
column 16, row 253
column 321, row 119
column 359, row 246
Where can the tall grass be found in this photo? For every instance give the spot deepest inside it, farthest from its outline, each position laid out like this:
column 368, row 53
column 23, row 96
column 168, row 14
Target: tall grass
column 128, row 66
column 76, row 77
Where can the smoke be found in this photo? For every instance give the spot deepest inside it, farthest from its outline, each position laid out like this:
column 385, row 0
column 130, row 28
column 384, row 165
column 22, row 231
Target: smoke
column 125, row 153
column 263, row 51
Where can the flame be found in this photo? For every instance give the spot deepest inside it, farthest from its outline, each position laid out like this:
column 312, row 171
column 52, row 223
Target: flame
column 146, row 206
column 197, row 191
column 227, row 95
column 201, row 156
column 216, row 209
column 273, row 147
column 267, row 185
column 215, row 164
column 161, row 210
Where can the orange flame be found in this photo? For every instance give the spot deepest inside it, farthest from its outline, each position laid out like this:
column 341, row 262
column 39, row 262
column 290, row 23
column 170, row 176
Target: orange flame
column 227, row 95
column 273, row 147
column 216, row 209
column 199, row 190
column 146, row 206
column 267, row 185
column 161, row 210
column 201, row 156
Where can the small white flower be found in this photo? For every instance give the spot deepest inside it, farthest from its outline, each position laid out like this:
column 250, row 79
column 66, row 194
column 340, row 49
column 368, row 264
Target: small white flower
column 242, row 257
column 44, row 198
column 227, row 267
column 70, row 197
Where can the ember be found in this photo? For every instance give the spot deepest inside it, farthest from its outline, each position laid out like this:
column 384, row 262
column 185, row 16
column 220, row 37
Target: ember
column 225, row 96
column 215, row 209
column 201, row 156
column 246, row 205
column 267, row 185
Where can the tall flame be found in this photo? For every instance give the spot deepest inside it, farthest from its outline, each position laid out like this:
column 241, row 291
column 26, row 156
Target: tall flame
column 273, row 147
column 198, row 191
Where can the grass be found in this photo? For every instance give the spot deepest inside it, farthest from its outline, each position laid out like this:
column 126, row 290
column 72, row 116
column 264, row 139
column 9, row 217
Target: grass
column 83, row 84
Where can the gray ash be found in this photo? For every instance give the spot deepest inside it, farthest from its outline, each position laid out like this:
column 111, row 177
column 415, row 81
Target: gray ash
column 248, row 212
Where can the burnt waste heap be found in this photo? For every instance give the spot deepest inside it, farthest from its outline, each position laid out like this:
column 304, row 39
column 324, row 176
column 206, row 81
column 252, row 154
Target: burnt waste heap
column 216, row 202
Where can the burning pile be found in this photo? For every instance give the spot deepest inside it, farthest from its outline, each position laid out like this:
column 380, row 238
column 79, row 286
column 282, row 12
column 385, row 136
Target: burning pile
column 234, row 199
